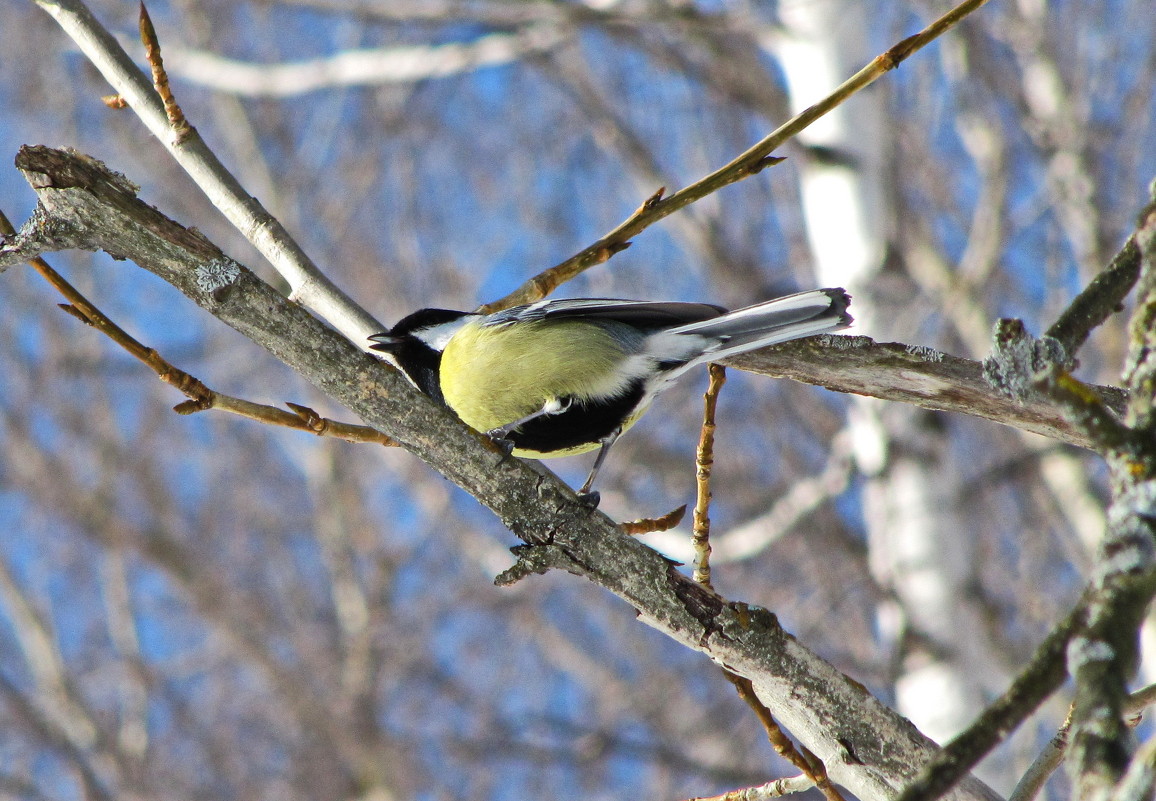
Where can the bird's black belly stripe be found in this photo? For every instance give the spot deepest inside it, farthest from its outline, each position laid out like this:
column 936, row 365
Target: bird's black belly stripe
column 583, row 422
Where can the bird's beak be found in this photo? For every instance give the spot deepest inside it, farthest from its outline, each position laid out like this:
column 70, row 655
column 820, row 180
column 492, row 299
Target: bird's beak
column 386, row 343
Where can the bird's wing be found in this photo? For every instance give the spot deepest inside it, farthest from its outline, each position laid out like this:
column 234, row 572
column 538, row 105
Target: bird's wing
column 639, row 313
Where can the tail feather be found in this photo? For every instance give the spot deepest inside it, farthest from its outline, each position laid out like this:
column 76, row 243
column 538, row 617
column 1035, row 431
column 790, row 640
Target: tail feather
column 805, row 314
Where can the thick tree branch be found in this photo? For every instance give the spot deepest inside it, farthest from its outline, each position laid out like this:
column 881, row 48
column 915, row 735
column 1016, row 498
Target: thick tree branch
column 917, row 375
column 865, row 746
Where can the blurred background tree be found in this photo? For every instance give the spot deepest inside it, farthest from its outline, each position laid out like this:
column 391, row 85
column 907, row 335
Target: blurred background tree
column 204, row 607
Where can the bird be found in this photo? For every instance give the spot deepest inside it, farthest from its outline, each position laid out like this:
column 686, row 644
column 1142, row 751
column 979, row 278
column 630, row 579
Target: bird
column 568, row 376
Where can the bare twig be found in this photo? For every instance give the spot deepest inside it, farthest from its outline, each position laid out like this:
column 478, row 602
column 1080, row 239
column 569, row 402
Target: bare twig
column 201, row 398
column 148, row 37
column 1045, row 764
column 802, row 759
column 753, row 161
column 648, row 525
column 704, row 462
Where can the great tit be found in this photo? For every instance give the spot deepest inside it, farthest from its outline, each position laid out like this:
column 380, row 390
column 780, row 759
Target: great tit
column 560, row 377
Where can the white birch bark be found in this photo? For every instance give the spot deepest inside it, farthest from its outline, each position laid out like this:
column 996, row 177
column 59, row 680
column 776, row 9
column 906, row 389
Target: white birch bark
column 919, row 538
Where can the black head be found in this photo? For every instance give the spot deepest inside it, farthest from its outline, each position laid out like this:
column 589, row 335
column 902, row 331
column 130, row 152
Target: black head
column 416, row 343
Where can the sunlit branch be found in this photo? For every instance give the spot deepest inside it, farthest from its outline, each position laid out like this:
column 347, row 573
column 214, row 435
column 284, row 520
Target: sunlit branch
column 704, row 463
column 776, row 789
column 753, row 161
column 309, row 285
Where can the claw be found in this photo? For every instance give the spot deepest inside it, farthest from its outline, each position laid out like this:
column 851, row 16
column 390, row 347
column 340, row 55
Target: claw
column 502, row 440
column 591, row 498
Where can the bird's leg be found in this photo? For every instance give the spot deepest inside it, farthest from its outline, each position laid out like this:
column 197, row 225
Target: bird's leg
column 501, row 434
column 585, row 494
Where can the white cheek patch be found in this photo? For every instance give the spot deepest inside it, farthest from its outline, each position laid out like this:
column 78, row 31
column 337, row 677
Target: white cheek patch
column 438, row 336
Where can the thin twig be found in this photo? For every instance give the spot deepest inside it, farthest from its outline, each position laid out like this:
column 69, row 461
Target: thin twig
column 201, row 398
column 649, row 525
column 753, row 161
column 148, row 37
column 811, row 767
column 1045, row 764
column 704, row 463
column 804, row 760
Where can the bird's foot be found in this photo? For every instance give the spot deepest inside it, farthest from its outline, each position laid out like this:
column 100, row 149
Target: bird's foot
column 590, row 498
column 501, row 438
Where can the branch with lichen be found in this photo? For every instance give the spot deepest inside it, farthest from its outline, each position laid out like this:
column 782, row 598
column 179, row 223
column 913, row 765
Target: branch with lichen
column 90, row 207
column 1096, row 643
column 1103, row 657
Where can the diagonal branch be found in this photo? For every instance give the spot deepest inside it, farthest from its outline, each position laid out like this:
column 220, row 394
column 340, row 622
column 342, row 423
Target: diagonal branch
column 201, row 397
column 310, row 286
column 753, row 161
column 1100, row 299
column 363, row 67
column 866, row 747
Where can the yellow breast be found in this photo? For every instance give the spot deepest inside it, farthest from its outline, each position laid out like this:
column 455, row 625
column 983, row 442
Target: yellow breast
column 494, row 375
